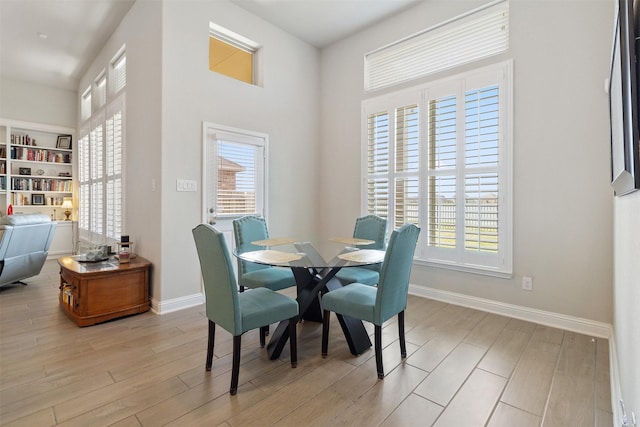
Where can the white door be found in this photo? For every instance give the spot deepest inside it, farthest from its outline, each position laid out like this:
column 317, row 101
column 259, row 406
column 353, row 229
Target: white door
column 235, row 173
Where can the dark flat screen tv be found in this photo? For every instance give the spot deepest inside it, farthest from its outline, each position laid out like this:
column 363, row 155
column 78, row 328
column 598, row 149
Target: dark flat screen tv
column 624, row 104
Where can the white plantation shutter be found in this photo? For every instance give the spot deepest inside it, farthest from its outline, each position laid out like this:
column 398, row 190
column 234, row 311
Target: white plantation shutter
column 100, row 170
column 100, row 91
column 393, row 163
column 472, row 36
column 119, row 71
column 84, row 183
column 441, row 172
column 407, row 165
column 85, row 104
column 113, row 172
column 448, row 157
column 482, row 146
column 378, row 164
column 96, row 214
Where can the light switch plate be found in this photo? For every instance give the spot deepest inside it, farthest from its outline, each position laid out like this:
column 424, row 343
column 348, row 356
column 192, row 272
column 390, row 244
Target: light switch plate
column 186, row 185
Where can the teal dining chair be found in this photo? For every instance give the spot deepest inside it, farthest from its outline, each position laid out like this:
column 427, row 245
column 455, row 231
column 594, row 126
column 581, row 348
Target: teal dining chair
column 378, row 304
column 237, row 312
column 370, row 227
column 252, row 275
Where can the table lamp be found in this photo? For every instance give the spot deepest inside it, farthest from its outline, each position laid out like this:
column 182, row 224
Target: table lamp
column 67, row 205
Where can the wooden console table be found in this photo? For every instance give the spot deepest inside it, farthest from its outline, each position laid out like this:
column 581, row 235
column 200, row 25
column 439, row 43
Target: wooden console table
column 91, row 293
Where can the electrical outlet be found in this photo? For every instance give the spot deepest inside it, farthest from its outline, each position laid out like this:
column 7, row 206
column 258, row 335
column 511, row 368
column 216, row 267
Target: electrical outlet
column 527, row 283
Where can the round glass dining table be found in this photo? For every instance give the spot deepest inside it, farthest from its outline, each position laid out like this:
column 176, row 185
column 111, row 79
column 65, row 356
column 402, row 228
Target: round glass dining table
column 314, row 276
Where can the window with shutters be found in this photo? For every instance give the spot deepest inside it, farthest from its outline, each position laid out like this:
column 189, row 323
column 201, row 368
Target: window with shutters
column 119, row 71
column 439, row 156
column 101, row 148
column 100, row 170
column 232, row 54
column 85, row 104
column 100, row 90
column 474, row 35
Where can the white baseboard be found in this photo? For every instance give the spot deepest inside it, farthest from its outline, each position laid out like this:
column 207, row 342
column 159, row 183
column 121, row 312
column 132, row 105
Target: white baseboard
column 547, row 318
column 164, row 307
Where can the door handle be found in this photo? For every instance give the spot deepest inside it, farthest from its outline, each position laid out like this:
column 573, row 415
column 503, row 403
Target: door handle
column 212, row 222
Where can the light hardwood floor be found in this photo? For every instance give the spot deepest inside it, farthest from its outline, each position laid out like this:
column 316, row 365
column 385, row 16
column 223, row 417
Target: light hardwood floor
column 464, row 368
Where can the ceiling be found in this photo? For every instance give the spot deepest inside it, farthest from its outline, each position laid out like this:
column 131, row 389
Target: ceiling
column 74, row 30
column 322, row 22
column 51, row 42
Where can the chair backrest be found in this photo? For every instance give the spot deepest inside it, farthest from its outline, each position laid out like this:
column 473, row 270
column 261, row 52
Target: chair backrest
column 24, row 245
column 371, row 227
column 246, row 230
column 220, row 286
column 394, row 275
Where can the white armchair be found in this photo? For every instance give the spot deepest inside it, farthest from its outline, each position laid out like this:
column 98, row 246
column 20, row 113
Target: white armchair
column 24, row 245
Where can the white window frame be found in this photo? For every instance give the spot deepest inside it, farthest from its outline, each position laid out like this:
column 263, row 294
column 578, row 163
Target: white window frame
column 500, row 264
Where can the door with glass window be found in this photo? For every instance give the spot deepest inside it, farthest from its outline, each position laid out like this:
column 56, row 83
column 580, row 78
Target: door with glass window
column 234, row 176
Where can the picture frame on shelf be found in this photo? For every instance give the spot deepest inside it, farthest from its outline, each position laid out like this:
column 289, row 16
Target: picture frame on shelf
column 24, row 171
column 64, row 141
column 37, row 199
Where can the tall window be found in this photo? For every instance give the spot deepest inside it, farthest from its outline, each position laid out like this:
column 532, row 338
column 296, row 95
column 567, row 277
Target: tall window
column 439, row 156
column 101, row 161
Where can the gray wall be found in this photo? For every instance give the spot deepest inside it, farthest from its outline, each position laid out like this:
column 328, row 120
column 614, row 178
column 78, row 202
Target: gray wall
column 36, row 103
column 562, row 199
column 170, row 92
column 285, row 107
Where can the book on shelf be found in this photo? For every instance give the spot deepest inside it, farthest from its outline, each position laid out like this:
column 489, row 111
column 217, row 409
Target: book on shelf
column 22, row 139
column 41, row 184
column 39, row 155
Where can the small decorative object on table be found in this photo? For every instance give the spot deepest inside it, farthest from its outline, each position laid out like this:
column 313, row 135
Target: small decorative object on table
column 124, row 249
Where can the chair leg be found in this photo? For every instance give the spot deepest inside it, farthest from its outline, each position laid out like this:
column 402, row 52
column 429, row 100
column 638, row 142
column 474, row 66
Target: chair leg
column 263, row 334
column 403, row 345
column 235, row 368
column 293, row 341
column 212, row 337
column 325, row 332
column 378, row 347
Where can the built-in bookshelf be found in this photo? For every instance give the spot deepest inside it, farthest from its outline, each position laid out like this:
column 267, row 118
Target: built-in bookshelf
column 36, row 168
